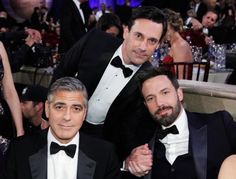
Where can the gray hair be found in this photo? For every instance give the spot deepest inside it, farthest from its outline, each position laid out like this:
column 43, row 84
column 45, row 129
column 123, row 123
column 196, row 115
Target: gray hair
column 68, row 84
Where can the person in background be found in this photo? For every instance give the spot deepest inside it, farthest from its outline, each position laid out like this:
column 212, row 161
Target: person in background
column 24, row 53
column 9, row 102
column 110, row 23
column 203, row 32
column 74, row 21
column 208, row 20
column 199, row 9
column 186, row 144
column 108, row 69
column 62, row 151
column 103, row 10
column 124, row 11
column 180, row 50
column 33, row 98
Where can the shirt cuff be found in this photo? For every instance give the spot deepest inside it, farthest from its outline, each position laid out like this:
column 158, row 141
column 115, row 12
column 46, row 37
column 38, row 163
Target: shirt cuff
column 188, row 20
column 123, row 167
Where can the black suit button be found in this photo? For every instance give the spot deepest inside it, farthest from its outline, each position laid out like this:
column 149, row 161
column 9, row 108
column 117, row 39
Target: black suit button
column 172, row 169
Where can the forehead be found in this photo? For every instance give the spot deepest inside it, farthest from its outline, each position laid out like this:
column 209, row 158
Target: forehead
column 148, row 28
column 157, row 83
column 27, row 102
column 68, row 97
column 211, row 15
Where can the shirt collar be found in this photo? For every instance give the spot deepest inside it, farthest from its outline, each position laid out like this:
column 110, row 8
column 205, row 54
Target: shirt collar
column 51, row 138
column 181, row 122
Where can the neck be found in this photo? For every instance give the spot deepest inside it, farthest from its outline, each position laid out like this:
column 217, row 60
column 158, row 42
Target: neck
column 174, row 37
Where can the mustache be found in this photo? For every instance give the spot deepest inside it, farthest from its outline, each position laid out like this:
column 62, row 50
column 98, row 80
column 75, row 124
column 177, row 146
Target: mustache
column 162, row 108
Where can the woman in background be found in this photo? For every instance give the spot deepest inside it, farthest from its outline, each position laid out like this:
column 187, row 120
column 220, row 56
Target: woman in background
column 9, row 101
column 180, row 50
column 9, row 107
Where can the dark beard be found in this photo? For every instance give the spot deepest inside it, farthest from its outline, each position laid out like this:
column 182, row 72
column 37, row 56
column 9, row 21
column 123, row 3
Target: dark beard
column 168, row 120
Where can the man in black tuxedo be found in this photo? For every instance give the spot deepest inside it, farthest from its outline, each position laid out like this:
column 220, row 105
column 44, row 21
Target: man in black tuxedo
column 74, row 21
column 185, row 145
column 62, row 151
column 116, row 109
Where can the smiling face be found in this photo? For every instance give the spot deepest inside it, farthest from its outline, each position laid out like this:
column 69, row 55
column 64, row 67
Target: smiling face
column 141, row 41
column 162, row 99
column 66, row 113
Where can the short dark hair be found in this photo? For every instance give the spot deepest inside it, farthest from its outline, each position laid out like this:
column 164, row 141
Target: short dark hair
column 151, row 13
column 156, row 71
column 108, row 20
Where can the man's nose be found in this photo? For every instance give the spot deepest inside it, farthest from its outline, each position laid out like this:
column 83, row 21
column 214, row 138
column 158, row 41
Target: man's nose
column 159, row 102
column 67, row 115
column 143, row 45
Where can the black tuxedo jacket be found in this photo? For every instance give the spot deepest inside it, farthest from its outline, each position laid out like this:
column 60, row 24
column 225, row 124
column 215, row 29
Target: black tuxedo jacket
column 202, row 9
column 72, row 26
column 127, row 123
column 27, row 158
column 212, row 138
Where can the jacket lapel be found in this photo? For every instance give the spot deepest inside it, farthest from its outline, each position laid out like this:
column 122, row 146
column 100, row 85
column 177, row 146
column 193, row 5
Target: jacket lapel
column 38, row 164
column 198, row 141
column 97, row 70
column 86, row 166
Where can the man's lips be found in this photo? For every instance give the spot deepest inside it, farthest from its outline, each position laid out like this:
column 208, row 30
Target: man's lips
column 163, row 110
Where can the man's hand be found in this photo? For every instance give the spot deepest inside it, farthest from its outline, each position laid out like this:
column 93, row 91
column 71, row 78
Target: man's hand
column 196, row 25
column 34, row 36
column 139, row 162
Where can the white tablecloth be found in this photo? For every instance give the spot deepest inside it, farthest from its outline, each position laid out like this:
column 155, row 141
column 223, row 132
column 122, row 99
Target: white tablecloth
column 216, row 76
column 33, row 76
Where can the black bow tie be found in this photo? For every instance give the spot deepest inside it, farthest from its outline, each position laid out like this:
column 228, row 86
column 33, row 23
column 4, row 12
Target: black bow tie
column 116, row 62
column 164, row 132
column 69, row 150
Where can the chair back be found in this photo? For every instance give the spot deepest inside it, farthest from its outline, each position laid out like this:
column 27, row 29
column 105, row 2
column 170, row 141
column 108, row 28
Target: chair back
column 189, row 70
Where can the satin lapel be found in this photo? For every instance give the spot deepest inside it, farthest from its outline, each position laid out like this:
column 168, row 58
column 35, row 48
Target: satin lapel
column 86, row 166
column 38, row 164
column 97, row 69
column 198, row 138
column 76, row 13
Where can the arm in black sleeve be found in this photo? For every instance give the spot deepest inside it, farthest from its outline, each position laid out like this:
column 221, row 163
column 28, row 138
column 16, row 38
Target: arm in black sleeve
column 15, row 35
column 19, row 57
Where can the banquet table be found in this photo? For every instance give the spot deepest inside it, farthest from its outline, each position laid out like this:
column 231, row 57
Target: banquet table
column 215, row 76
column 34, row 76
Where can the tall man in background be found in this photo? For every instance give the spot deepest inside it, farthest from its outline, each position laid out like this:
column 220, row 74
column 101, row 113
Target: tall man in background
column 74, row 20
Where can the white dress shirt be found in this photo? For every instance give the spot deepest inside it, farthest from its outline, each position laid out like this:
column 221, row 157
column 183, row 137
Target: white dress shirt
column 60, row 165
column 177, row 144
column 110, row 85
